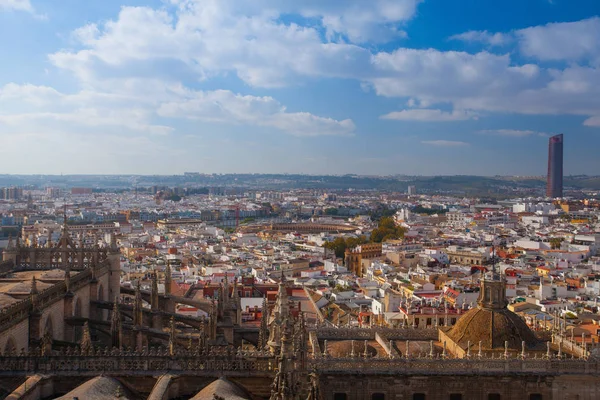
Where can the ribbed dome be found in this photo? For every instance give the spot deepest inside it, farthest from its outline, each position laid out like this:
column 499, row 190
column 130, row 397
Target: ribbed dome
column 493, row 328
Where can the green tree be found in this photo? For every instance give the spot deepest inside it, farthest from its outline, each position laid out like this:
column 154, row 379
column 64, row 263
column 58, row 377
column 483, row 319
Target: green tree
column 387, row 230
column 331, row 211
column 555, row 243
column 339, row 244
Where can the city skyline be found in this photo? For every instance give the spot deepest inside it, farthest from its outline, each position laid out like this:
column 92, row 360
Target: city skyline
column 381, row 88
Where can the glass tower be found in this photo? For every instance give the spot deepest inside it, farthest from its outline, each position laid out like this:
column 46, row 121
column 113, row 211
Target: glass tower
column 554, row 184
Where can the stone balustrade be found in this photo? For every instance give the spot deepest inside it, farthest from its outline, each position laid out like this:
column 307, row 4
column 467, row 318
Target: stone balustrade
column 260, row 363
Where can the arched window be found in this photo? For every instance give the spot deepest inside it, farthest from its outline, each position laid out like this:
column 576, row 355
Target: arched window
column 494, row 396
column 49, row 327
column 378, row 396
column 419, row 396
column 340, row 396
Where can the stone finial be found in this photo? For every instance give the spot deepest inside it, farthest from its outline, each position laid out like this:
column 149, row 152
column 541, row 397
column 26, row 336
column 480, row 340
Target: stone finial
column 480, row 353
column 469, row 349
column 68, row 278
column 444, row 354
column 325, row 349
column 407, row 350
column 172, row 337
column 34, row 293
column 86, row 339
column 523, row 350
column 46, row 344
column 366, row 352
column 115, row 326
column 431, row 349
column 506, row 349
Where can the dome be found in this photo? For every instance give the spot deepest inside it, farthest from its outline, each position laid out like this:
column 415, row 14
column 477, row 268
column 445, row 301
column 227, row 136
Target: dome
column 221, row 388
column 493, row 328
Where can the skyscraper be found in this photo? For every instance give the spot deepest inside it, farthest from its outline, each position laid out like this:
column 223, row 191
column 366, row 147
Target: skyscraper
column 554, row 184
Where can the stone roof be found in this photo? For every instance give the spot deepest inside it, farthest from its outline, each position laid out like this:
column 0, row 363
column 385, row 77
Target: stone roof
column 6, row 300
column 493, row 328
column 98, row 388
column 222, row 388
column 54, row 274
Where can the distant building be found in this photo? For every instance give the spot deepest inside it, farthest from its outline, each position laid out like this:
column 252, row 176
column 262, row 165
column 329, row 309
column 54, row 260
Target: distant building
column 11, row 193
column 81, row 190
column 353, row 257
column 554, row 184
column 412, row 190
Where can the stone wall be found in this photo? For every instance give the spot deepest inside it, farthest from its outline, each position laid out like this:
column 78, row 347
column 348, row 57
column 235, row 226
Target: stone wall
column 18, row 334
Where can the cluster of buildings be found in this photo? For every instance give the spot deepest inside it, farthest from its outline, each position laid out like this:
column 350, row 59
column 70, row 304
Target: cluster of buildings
column 243, row 295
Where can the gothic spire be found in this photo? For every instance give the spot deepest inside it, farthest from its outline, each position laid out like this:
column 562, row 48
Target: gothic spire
column 115, row 326
column 283, row 305
column 68, row 277
column 235, row 296
column 34, row 293
column 137, row 307
column 10, row 245
column 168, row 279
column 113, row 243
column 172, row 337
column 263, row 333
column 154, row 294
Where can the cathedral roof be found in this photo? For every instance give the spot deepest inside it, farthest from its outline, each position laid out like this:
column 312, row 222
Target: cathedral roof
column 222, row 388
column 98, row 388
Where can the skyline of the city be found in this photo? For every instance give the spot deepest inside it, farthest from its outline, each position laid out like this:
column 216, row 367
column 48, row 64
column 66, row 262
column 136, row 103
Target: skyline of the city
column 391, row 87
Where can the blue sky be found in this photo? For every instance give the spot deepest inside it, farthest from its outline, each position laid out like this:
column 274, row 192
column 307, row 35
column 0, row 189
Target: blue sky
column 285, row 86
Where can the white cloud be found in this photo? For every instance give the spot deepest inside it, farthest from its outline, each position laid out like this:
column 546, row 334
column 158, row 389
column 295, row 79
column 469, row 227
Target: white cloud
column 445, row 143
column 31, row 108
column 203, row 39
column 513, row 132
column 208, row 40
column 429, row 115
column 484, row 37
column 133, row 109
column 592, row 121
column 571, row 41
column 18, row 5
column 226, row 107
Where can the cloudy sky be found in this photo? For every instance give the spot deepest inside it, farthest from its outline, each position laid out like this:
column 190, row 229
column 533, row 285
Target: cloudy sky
column 312, row 86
